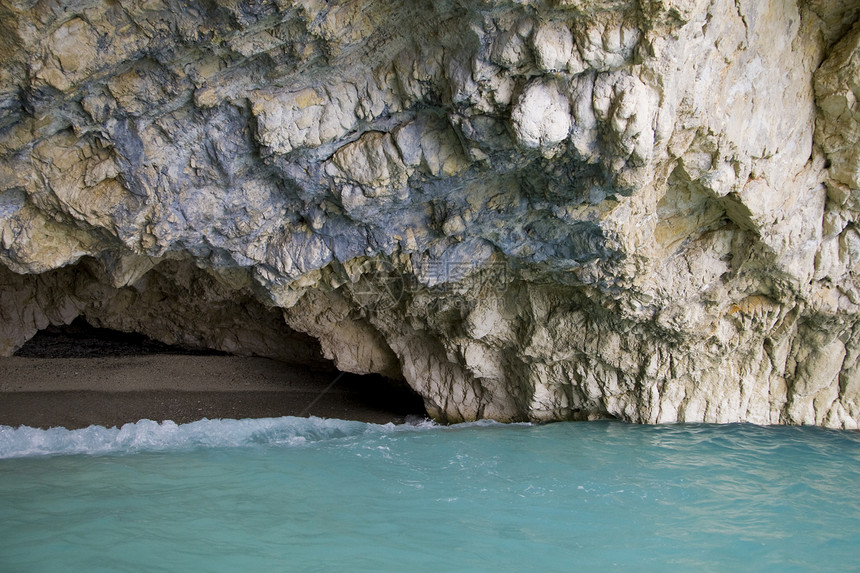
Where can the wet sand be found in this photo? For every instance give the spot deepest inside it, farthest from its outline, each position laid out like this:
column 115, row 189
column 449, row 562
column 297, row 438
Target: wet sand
column 112, row 390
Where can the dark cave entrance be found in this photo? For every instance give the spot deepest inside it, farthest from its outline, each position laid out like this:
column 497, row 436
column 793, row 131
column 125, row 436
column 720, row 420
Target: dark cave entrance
column 82, row 340
column 186, row 384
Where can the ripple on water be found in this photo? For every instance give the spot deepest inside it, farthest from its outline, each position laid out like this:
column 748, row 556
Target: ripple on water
column 312, row 494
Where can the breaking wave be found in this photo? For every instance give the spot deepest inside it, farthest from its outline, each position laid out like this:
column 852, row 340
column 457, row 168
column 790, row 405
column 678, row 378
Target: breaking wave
column 148, row 435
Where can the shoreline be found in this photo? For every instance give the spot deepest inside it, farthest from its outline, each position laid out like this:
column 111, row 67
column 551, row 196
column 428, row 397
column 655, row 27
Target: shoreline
column 113, row 390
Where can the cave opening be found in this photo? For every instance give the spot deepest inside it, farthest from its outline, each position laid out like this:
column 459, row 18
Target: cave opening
column 79, row 339
column 78, row 375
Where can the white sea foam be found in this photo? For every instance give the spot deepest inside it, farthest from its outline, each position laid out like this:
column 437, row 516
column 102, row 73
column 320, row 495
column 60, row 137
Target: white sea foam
column 151, row 436
column 147, row 435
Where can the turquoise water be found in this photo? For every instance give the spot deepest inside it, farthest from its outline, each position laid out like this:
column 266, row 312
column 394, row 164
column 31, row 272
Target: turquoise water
column 297, row 494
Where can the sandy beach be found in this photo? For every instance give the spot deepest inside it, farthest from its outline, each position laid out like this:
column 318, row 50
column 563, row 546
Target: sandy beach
column 110, row 391
column 62, row 381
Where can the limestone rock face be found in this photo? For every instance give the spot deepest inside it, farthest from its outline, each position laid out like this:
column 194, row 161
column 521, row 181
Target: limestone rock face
column 527, row 210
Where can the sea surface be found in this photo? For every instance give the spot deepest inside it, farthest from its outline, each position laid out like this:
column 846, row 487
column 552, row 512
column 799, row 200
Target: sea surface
column 310, row 494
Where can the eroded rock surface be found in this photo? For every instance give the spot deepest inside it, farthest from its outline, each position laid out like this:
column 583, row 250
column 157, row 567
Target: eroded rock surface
column 526, row 209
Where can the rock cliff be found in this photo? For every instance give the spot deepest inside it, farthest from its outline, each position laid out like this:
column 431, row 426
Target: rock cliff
column 526, row 209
